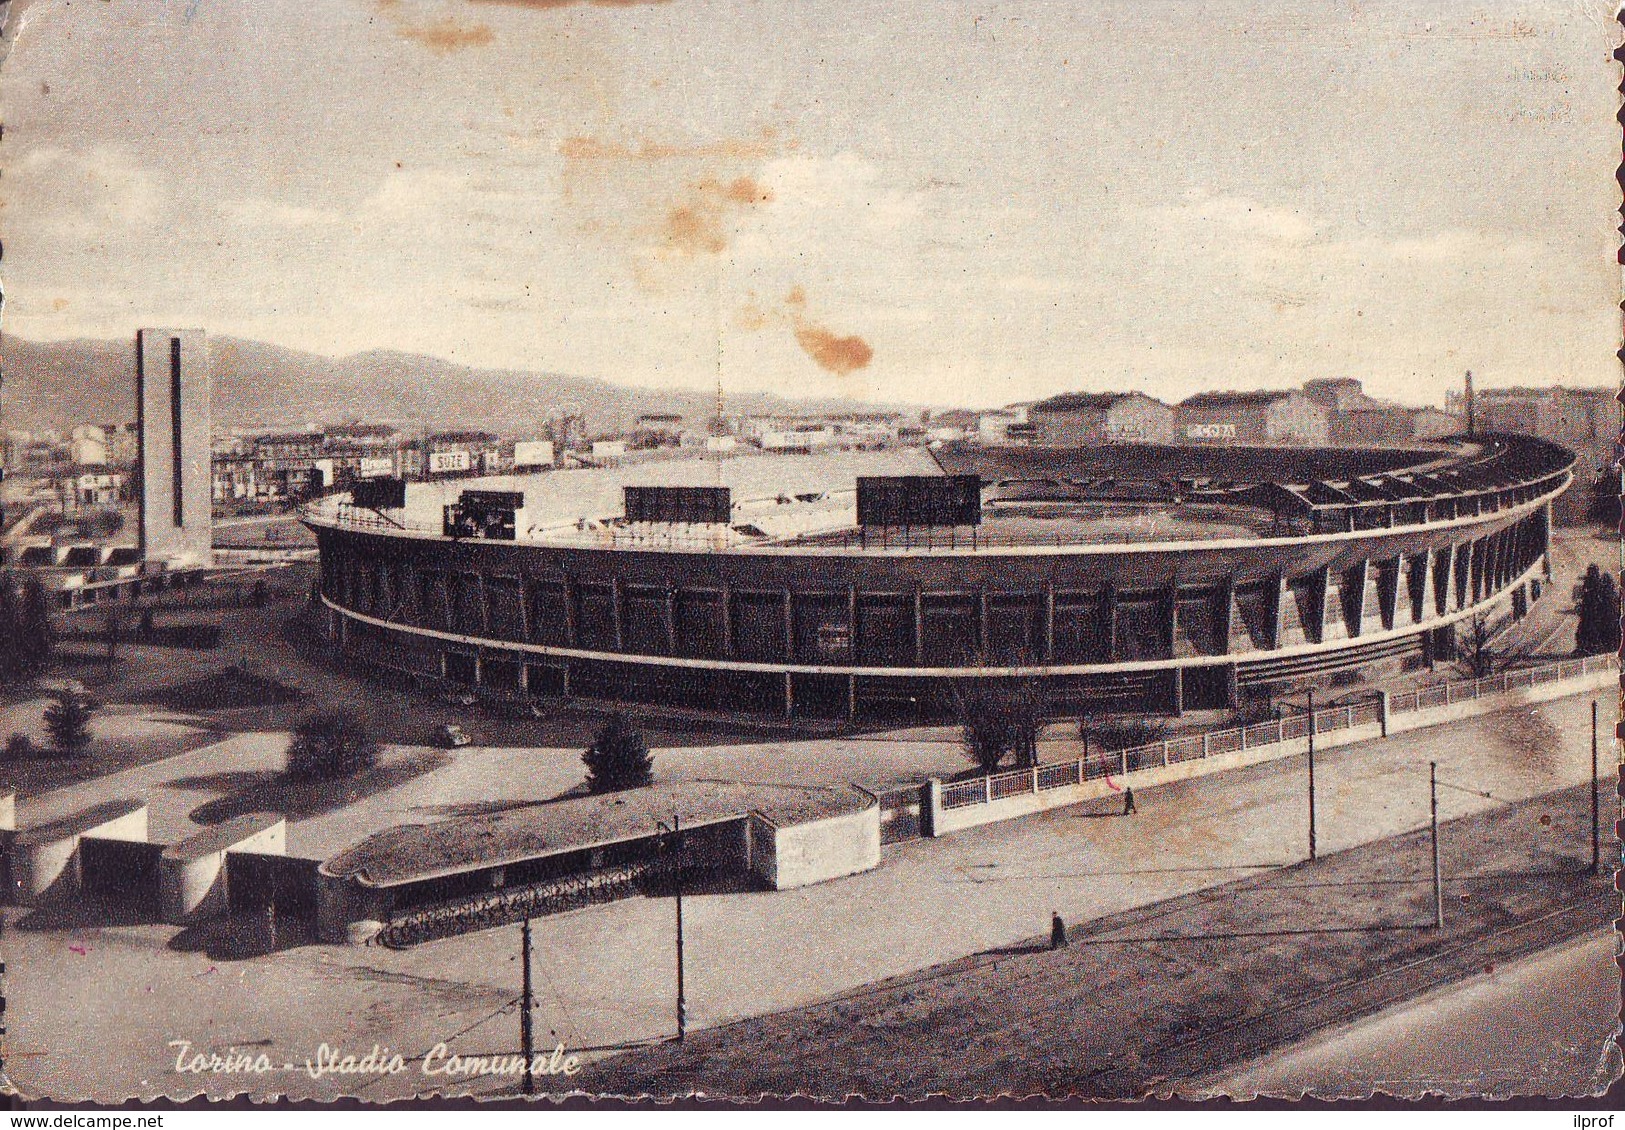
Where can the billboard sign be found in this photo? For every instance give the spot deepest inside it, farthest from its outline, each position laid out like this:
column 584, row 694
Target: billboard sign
column 691, row 505
column 448, row 462
column 533, row 453
column 375, row 466
column 920, row 500
column 1210, row 431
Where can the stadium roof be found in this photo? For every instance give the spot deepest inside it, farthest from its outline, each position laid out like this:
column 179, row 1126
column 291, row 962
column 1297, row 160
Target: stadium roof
column 1236, row 399
column 1086, row 401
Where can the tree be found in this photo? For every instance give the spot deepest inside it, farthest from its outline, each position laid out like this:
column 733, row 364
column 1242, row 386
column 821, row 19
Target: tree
column 19, row 747
column 12, row 664
column 999, row 716
column 35, row 636
column 114, row 635
column 1475, row 648
column 618, row 758
column 68, row 720
column 1598, row 631
column 1604, row 506
column 330, row 745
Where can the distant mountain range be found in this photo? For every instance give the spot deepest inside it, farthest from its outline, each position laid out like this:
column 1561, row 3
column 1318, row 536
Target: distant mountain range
column 257, row 385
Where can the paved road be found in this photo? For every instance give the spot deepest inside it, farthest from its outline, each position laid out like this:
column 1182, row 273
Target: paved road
column 606, row 973
column 1544, row 1025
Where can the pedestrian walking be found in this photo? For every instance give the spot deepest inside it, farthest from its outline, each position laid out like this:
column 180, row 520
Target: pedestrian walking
column 1057, row 931
column 1128, row 802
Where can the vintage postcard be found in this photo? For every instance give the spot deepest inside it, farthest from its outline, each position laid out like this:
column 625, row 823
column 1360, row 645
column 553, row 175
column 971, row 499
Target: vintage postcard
column 849, row 548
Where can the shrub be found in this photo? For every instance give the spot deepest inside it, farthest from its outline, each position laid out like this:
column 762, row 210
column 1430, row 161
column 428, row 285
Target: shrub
column 329, row 746
column 1122, row 734
column 618, row 758
column 19, row 747
column 996, row 717
column 68, row 720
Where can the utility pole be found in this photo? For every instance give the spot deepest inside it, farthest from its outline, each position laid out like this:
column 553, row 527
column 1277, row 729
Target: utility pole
column 1311, row 774
column 1433, row 823
column 682, row 996
column 1596, row 826
column 526, row 1003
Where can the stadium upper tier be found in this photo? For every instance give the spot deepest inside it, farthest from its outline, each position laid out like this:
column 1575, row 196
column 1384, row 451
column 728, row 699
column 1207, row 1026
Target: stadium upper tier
column 1138, row 576
column 1100, row 497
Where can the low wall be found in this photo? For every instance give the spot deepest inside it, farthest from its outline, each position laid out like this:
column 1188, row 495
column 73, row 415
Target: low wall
column 192, row 874
column 801, row 854
column 946, row 820
column 44, row 861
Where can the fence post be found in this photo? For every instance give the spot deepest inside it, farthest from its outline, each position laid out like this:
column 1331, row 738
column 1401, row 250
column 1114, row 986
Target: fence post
column 987, row 788
column 1165, row 753
column 1035, row 778
column 1349, row 709
column 1244, row 739
column 933, row 806
column 1204, row 743
column 1123, row 756
column 1382, row 711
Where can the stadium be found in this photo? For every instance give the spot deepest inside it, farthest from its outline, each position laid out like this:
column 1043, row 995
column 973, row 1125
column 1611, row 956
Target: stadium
column 1128, row 578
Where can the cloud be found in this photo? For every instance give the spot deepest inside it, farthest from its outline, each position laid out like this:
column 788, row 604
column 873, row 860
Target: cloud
column 260, row 212
column 85, row 196
column 1206, row 217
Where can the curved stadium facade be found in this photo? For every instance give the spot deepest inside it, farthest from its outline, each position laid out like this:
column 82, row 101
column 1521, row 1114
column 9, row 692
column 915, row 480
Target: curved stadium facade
column 1233, row 569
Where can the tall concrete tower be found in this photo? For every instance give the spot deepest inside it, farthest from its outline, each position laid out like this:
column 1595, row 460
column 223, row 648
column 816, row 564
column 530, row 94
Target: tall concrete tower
column 172, row 413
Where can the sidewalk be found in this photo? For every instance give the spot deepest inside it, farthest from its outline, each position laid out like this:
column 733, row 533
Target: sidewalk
column 1146, row 1000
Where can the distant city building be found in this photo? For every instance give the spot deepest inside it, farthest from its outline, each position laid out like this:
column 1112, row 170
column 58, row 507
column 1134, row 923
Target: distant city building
column 172, row 397
column 1087, row 419
column 608, row 449
column 1433, row 423
column 993, row 428
column 1287, row 417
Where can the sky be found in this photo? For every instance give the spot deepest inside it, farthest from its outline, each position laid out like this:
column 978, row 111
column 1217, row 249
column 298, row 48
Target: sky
column 920, row 202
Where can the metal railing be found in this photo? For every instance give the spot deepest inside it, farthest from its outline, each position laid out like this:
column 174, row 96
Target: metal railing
column 1194, row 747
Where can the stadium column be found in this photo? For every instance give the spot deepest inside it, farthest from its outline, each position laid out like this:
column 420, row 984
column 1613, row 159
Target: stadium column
column 919, row 628
column 1177, row 690
column 1389, row 596
column 981, row 623
column 1170, row 614
column 1225, row 598
column 1278, row 594
column 727, row 620
column 789, row 697
column 789, row 636
column 617, row 609
column 1321, row 582
column 1049, row 622
column 1360, row 575
column 1544, row 533
column 671, row 620
column 1108, row 618
column 572, row 631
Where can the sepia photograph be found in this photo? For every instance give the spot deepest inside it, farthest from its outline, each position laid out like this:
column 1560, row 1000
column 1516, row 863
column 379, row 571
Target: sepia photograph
column 715, row 549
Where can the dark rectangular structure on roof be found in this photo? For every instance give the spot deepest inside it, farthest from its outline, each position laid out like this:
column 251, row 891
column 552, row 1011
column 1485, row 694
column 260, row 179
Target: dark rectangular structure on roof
column 379, row 494
column 920, row 500
column 691, row 505
column 484, row 514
